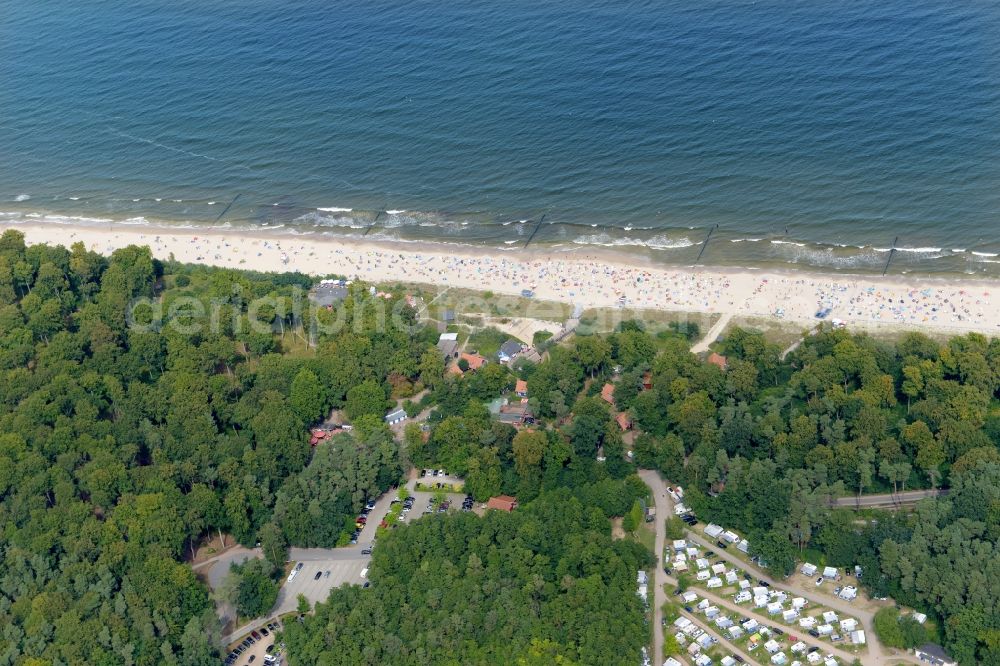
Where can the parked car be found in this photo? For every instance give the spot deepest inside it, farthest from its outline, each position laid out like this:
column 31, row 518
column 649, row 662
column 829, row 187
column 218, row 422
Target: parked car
column 819, row 581
column 319, row 574
column 367, row 550
column 255, row 634
column 326, row 574
column 814, row 633
column 721, row 545
column 778, row 631
column 263, row 631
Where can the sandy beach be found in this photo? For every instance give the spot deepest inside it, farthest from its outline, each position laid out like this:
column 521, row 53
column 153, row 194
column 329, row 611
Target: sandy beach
column 588, row 279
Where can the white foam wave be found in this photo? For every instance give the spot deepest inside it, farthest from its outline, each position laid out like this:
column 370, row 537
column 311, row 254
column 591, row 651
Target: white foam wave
column 958, row 250
column 328, row 221
column 919, row 250
column 333, row 209
column 746, row 240
column 22, row 197
column 781, row 242
column 394, row 212
column 985, row 254
column 210, row 203
column 661, row 242
column 511, row 242
column 135, row 221
column 74, row 198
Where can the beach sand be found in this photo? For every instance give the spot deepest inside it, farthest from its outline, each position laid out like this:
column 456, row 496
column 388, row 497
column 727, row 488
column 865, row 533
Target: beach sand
column 587, row 279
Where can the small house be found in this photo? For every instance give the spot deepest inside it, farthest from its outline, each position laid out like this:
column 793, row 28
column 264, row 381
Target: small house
column 679, row 545
column 848, row 593
column 847, row 625
column 919, row 618
column 934, row 654
column 772, row 646
column 682, row 622
column 857, row 637
column 807, row 622
column 825, row 629
column 624, row 422
column 808, row 569
column 723, row 622
column 735, row 632
column 395, row 416
column 773, row 608
column 713, row 530
column 743, row 546
column 830, row 573
column 475, row 361
column 672, row 662
column 447, row 344
column 779, row 659
column 647, row 381
column 799, row 647
column 789, row 615
column 509, row 351
column 728, row 661
column 706, row 641
column 714, row 582
column 830, row 617
column 718, row 569
column 642, row 578
column 701, row 563
column 731, row 578
column 703, row 574
column 702, row 660
column 742, row 597
column 521, row 388
column 712, row 612
column 730, row 536
column 718, row 360
column 502, row 503
column 690, row 597
column 798, row 603
column 608, row 394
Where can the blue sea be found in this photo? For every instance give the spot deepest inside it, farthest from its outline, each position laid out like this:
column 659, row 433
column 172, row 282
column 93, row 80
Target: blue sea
column 799, row 134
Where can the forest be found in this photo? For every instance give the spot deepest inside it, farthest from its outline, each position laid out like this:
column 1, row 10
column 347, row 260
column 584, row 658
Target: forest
column 130, row 436
column 123, row 446
column 543, row 585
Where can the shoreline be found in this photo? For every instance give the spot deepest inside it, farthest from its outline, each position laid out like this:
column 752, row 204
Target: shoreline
column 588, row 277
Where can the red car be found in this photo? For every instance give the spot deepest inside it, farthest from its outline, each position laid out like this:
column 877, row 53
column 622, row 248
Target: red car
column 255, row 634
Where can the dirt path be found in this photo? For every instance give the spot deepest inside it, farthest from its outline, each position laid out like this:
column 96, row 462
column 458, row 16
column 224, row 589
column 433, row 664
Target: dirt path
column 659, row 490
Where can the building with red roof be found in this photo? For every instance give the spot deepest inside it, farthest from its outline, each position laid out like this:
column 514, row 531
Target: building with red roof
column 502, row 503
column 719, row 360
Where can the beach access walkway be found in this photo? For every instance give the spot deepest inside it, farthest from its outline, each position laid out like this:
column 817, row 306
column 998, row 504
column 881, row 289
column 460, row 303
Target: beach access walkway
column 713, row 334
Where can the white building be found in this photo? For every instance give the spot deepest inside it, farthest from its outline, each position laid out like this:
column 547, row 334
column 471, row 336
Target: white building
column 779, row 659
column 919, row 617
column 735, row 632
column 773, row 608
column 718, row 569
column 848, row 593
column 808, row 569
column 731, row 537
column 848, row 625
column 807, row 622
column 711, row 612
column 713, row 530
column 789, row 615
column 825, row 629
column 703, row 575
column 798, row 603
column 742, row 597
column 744, row 546
column 830, row 573
column 690, row 597
column 772, row 646
column 714, row 582
column 679, row 545
column 670, row 661
column 858, row 637
column 731, row 578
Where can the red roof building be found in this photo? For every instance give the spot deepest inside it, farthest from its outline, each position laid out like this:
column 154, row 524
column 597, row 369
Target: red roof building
column 521, row 388
column 475, row 361
column 502, row 503
column 647, row 381
column 608, row 393
column 624, row 422
column 719, row 360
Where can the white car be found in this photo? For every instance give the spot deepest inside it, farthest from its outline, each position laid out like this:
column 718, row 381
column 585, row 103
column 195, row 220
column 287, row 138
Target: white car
column 291, row 576
column 364, row 572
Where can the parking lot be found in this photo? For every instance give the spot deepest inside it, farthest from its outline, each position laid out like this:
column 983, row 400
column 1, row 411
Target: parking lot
column 256, row 651
column 332, row 573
